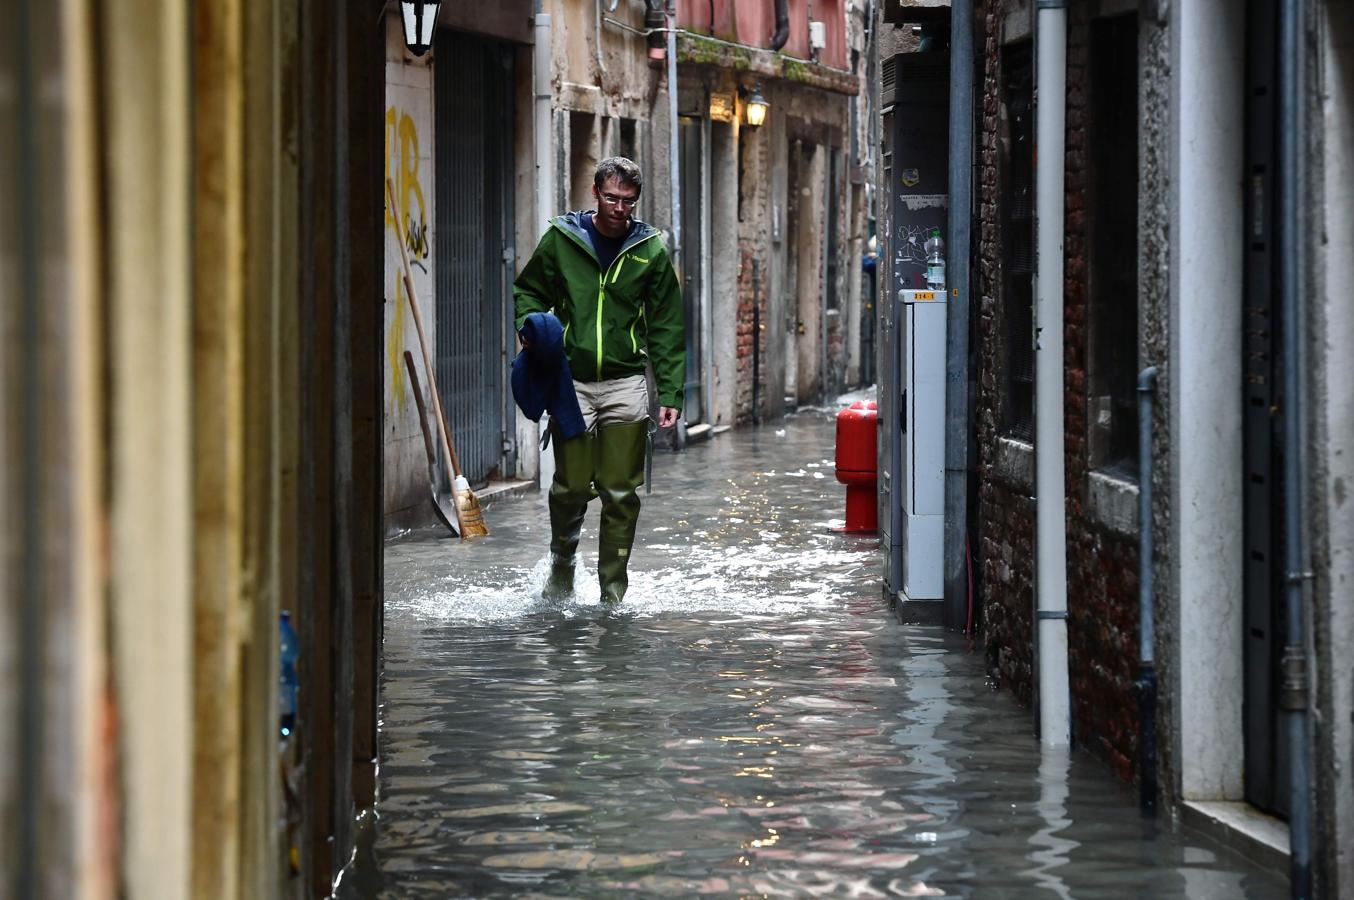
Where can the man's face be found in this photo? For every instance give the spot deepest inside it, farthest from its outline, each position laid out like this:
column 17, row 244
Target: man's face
column 615, row 203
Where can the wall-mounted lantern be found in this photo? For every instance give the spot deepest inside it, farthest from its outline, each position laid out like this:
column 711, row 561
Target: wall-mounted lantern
column 756, row 106
column 420, row 21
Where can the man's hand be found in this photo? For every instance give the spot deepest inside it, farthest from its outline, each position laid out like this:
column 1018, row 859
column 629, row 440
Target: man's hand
column 667, row 417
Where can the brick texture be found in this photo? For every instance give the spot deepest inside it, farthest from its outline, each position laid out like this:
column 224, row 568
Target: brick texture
column 1005, row 551
column 1101, row 565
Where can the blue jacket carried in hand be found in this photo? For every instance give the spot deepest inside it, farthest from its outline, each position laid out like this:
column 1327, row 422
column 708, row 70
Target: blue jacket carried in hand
column 541, row 380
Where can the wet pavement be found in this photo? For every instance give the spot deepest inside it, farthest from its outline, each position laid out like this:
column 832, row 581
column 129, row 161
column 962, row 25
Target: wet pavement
column 751, row 721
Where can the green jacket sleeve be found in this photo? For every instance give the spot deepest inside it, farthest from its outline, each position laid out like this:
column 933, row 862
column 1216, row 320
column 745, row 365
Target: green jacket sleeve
column 667, row 333
column 534, row 289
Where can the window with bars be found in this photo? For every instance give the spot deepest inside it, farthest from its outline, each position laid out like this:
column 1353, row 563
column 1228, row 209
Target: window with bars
column 1017, row 238
column 1112, row 245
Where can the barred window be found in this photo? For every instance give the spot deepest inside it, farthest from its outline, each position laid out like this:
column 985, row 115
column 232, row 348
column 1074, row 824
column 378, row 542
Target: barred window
column 1112, row 246
column 1017, row 235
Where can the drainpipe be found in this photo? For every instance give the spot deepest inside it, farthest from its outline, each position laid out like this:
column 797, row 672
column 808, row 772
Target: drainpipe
column 782, row 32
column 542, row 115
column 674, row 156
column 1051, row 521
column 542, row 125
column 597, row 36
column 1294, row 694
column 1147, row 673
column 957, row 313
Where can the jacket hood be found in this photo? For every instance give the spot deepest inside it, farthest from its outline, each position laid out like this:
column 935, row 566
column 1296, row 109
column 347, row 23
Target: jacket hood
column 572, row 222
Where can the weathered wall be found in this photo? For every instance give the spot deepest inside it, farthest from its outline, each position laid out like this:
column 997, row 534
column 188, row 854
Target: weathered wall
column 1154, row 199
column 1100, row 512
column 1005, row 551
column 1331, row 441
column 409, row 162
column 1102, row 556
column 753, row 23
column 724, row 264
column 1205, row 452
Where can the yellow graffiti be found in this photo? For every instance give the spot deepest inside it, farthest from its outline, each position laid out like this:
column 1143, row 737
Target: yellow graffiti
column 401, row 164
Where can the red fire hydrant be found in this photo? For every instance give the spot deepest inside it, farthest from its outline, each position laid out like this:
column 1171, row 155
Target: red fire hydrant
column 857, row 465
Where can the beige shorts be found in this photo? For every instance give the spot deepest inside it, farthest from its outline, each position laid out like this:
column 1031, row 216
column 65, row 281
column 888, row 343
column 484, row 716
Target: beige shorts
column 613, row 402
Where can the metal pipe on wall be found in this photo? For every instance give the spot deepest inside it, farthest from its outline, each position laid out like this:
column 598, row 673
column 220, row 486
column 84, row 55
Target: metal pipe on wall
column 597, row 35
column 957, row 425
column 756, row 341
column 543, row 128
column 782, row 32
column 1051, row 523
column 1294, row 693
column 830, row 200
column 1147, row 673
column 674, row 150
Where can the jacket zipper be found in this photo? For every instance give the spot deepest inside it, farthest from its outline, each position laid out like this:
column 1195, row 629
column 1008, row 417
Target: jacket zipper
column 601, row 301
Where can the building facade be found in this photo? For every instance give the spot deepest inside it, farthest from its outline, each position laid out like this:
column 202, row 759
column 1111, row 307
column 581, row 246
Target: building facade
column 1172, row 258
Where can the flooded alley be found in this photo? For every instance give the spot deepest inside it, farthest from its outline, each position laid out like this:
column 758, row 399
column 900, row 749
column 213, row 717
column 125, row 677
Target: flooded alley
column 751, row 721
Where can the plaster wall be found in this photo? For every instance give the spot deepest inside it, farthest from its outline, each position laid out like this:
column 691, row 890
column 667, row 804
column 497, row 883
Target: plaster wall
column 1154, row 216
column 725, row 262
column 774, row 278
column 528, row 222
column 1207, row 66
column 1331, row 447
column 409, row 161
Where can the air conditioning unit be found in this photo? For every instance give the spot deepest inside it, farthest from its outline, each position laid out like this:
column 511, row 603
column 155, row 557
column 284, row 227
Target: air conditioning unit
column 817, row 35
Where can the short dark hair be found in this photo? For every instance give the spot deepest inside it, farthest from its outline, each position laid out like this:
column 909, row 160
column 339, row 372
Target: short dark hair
column 623, row 170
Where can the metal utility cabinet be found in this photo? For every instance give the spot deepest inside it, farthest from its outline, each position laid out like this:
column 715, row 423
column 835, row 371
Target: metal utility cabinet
column 922, row 441
column 913, row 189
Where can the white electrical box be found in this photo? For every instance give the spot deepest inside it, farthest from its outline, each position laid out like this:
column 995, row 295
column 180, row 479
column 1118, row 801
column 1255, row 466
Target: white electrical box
column 923, row 443
column 817, row 35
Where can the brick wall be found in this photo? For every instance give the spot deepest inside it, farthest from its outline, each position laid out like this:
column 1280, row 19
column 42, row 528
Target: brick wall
column 1101, row 564
column 747, row 306
column 754, row 242
column 1005, row 508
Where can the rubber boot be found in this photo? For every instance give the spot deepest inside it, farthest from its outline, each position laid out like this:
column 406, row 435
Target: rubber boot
column 620, row 472
column 570, row 492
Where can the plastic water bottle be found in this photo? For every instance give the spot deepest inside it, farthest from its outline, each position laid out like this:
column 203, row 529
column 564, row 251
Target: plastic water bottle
column 935, row 261
column 287, row 681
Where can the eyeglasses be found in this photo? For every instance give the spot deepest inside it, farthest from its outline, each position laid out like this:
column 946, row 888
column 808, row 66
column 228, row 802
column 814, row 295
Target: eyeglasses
column 623, row 202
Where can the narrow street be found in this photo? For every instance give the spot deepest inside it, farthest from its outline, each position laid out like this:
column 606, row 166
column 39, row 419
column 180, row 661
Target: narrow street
column 752, row 721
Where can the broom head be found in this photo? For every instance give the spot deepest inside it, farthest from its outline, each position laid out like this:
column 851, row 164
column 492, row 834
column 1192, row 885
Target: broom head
column 472, row 516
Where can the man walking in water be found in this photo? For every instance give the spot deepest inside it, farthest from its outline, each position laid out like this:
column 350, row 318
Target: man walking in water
column 608, row 278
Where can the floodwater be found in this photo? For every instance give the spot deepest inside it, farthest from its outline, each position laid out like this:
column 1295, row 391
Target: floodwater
column 750, row 722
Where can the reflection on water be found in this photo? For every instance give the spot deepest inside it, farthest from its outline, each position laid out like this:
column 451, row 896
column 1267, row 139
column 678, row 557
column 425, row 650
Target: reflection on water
column 750, row 721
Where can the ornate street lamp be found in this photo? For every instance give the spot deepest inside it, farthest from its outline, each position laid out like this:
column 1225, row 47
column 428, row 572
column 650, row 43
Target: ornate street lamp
column 756, row 106
column 420, row 20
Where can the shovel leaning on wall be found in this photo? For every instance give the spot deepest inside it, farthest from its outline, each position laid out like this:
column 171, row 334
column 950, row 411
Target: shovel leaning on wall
column 446, row 515
column 469, row 516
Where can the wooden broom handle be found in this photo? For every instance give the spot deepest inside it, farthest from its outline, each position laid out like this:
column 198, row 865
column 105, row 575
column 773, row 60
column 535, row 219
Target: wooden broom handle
column 423, row 346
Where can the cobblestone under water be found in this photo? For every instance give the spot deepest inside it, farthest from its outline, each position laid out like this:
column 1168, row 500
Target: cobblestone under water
column 751, row 721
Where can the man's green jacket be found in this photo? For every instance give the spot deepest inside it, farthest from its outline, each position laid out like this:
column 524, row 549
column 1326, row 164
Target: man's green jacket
column 613, row 319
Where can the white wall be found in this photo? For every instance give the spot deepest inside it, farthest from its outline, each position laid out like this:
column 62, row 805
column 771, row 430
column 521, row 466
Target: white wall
column 409, row 161
column 1334, row 413
column 1204, row 377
